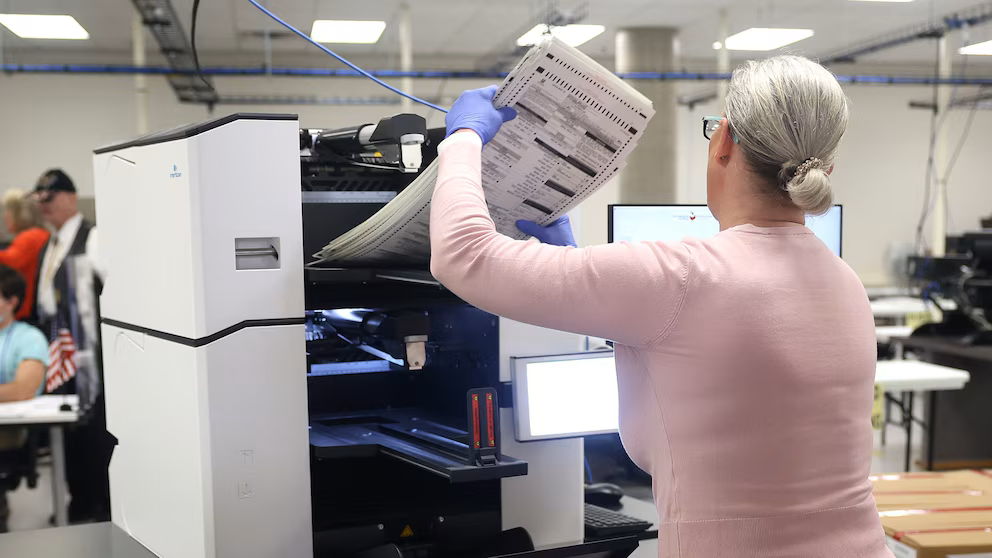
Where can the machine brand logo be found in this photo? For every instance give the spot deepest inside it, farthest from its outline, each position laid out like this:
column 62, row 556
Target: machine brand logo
column 175, row 172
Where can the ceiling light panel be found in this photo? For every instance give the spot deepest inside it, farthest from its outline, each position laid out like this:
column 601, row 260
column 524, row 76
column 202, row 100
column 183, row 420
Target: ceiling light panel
column 984, row 49
column 572, row 35
column 345, row 31
column 766, row 38
column 35, row 26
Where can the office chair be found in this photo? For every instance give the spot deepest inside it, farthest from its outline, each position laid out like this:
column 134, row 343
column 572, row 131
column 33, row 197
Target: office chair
column 20, row 464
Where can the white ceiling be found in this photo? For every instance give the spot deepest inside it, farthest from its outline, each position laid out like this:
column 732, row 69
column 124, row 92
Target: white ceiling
column 480, row 27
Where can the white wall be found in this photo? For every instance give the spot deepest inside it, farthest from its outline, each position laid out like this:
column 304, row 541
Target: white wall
column 879, row 176
column 56, row 120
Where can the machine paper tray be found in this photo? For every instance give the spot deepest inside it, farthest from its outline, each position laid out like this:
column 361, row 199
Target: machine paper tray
column 618, row 547
column 361, row 440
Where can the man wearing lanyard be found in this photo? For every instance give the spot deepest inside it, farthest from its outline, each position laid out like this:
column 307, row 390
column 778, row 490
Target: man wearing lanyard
column 23, row 358
column 66, row 310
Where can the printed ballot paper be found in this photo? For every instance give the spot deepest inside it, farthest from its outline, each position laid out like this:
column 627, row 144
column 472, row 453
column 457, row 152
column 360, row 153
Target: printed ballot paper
column 576, row 123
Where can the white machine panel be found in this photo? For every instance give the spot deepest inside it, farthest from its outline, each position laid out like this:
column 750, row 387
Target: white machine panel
column 201, row 231
column 172, row 215
column 156, row 396
column 548, row 500
column 212, row 443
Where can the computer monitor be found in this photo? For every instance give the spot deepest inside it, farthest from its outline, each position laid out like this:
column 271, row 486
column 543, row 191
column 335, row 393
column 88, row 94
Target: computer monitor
column 565, row 396
column 672, row 223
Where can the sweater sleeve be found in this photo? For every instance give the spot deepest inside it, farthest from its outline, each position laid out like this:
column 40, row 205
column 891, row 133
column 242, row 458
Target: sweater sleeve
column 630, row 293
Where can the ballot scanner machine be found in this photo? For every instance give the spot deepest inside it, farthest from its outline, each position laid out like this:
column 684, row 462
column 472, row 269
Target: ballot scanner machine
column 267, row 405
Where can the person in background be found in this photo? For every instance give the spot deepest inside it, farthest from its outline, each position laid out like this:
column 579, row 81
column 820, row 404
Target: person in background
column 68, row 274
column 745, row 361
column 22, row 219
column 23, row 359
column 72, row 235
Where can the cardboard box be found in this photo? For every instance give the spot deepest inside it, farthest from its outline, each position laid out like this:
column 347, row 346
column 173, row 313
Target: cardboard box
column 973, row 479
column 936, row 515
column 952, row 534
column 957, row 489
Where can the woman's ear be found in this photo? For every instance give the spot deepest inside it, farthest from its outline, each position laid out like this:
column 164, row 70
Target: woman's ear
column 724, row 143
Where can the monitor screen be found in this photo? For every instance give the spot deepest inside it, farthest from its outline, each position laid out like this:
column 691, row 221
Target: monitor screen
column 564, row 396
column 672, row 223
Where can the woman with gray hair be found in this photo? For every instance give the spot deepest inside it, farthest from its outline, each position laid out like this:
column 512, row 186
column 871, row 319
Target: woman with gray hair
column 23, row 220
column 745, row 361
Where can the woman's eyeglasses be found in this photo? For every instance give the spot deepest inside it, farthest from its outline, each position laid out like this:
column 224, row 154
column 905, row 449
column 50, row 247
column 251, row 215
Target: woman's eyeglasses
column 711, row 124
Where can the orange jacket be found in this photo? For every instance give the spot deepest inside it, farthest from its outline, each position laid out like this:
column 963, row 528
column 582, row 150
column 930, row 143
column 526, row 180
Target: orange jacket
column 22, row 256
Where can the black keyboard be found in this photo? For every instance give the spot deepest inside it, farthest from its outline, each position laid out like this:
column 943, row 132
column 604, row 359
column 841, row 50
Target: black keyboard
column 601, row 522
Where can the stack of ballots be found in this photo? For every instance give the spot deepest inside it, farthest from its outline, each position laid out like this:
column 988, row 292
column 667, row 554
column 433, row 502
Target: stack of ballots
column 576, row 123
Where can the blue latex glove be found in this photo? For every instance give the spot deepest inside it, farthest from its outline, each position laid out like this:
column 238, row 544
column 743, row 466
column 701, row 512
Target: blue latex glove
column 558, row 233
column 474, row 111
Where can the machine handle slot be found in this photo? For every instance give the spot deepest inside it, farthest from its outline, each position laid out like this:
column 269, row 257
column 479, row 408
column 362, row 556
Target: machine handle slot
column 256, row 253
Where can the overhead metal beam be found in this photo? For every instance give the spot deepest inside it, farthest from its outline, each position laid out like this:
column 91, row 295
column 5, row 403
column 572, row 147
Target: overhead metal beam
column 160, row 17
column 975, row 15
column 972, row 16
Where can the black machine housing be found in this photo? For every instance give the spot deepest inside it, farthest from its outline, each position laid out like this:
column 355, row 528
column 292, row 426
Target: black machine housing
column 963, row 275
column 392, row 467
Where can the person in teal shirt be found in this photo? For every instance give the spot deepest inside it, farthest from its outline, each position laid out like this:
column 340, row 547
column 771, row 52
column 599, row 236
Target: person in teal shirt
column 23, row 362
column 23, row 347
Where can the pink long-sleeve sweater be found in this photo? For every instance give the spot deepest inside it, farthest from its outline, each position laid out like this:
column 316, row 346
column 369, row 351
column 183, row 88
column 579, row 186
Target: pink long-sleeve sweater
column 745, row 365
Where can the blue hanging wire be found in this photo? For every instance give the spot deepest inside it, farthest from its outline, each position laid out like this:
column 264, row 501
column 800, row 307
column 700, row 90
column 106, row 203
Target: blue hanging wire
column 343, row 61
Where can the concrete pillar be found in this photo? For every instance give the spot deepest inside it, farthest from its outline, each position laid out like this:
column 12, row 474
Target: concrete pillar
column 140, row 80
column 723, row 57
column 650, row 174
column 406, row 56
column 938, row 217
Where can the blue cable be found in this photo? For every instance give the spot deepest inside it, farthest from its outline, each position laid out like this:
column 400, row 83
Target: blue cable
column 343, row 61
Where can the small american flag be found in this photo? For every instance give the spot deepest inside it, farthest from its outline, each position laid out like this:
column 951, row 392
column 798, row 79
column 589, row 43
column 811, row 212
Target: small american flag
column 61, row 366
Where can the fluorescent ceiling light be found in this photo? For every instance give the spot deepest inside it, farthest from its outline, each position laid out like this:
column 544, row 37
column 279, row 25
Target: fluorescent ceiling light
column 764, row 38
column 33, row 26
column 978, row 48
column 342, row 31
column 572, row 35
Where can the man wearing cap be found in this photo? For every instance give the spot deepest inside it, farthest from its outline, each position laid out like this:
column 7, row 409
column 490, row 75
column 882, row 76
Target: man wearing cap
column 72, row 234
column 66, row 308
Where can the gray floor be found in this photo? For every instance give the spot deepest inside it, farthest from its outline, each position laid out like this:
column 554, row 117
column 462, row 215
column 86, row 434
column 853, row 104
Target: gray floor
column 30, row 509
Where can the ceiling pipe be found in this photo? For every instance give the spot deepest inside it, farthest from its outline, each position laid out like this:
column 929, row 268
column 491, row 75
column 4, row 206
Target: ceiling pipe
column 440, row 74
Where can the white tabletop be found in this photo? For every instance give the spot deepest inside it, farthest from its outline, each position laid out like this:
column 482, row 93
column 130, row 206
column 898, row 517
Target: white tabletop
column 900, row 306
column 881, row 292
column 897, row 307
column 884, row 333
column 913, row 375
column 44, row 409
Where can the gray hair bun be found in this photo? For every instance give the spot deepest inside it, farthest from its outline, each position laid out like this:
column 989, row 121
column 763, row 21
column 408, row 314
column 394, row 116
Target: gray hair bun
column 808, row 185
column 789, row 115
